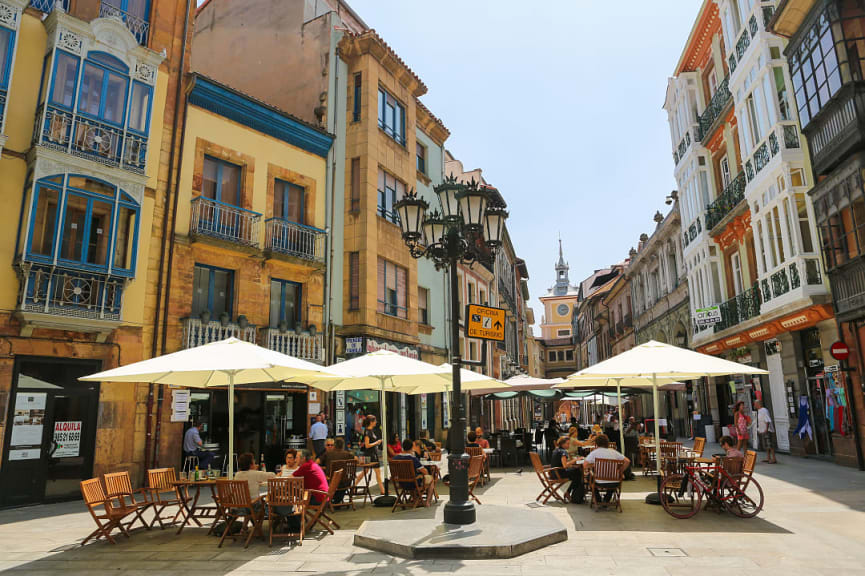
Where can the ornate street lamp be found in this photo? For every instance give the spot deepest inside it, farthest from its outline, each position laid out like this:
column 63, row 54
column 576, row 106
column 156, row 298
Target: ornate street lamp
column 470, row 220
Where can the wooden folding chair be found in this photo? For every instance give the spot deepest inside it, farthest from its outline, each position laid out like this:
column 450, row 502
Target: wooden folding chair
column 476, row 474
column 109, row 518
column 315, row 513
column 606, row 477
column 699, row 446
column 286, row 493
column 238, row 505
column 349, row 477
column 749, row 462
column 549, row 479
column 164, row 493
column 409, row 494
column 118, row 487
column 478, row 451
column 436, row 472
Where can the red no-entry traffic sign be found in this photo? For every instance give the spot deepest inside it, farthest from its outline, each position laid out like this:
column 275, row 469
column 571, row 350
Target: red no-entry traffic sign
column 839, row 351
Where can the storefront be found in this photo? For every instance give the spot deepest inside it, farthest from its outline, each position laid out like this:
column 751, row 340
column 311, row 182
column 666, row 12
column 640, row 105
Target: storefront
column 49, row 447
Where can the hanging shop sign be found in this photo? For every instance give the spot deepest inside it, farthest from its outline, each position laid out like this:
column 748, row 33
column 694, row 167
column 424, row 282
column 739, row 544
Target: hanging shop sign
column 708, row 316
column 354, row 345
column 67, row 438
column 485, row 322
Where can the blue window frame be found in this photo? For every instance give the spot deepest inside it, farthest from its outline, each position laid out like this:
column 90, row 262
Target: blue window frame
column 285, row 303
column 65, row 79
column 221, row 181
column 212, row 290
column 104, row 88
column 140, row 103
column 81, row 222
column 390, row 191
column 358, row 85
column 7, row 38
column 391, row 116
column 288, row 201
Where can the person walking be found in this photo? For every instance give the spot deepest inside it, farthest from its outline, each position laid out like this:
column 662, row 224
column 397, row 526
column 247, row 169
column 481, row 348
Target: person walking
column 742, row 423
column 765, row 432
column 318, row 434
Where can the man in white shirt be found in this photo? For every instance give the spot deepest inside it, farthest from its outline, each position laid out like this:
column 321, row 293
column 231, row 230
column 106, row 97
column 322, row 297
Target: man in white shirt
column 603, row 451
column 765, row 431
column 318, row 434
column 254, row 477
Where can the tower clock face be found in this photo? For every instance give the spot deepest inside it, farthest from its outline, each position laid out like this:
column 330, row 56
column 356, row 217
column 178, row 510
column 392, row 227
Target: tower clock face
column 562, row 309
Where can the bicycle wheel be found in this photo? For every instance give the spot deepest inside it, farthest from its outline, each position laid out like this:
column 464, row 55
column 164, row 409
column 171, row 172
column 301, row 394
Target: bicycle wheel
column 679, row 497
column 742, row 496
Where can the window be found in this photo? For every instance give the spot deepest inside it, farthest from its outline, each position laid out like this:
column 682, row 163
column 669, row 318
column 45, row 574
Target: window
column 391, row 116
column 392, row 289
column 423, row 305
column 65, row 79
column 814, row 70
column 86, row 225
column 725, row 172
column 781, row 92
column 212, row 290
column 736, row 266
column 563, row 332
column 288, row 201
column 569, row 355
column 103, row 88
column 797, row 177
column 552, row 355
column 285, row 303
column 354, row 189
column 754, row 120
column 482, row 296
column 354, row 281
column 139, row 107
column 807, row 242
column 358, row 90
column 6, row 37
column 560, row 355
column 421, row 158
column 390, row 191
column 221, row 181
column 471, row 293
column 779, row 239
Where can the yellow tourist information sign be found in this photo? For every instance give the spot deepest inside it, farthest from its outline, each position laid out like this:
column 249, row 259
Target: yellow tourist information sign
column 485, row 322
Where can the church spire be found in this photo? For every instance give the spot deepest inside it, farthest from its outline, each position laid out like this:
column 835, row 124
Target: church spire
column 562, row 280
column 561, row 263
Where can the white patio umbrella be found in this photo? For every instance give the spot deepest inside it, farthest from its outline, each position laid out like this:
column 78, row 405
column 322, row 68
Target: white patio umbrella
column 652, row 364
column 386, row 371
column 218, row 364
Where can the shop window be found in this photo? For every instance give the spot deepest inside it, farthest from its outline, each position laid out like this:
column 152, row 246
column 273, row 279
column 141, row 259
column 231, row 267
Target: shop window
column 285, row 303
column 392, row 289
column 86, row 225
column 390, row 191
column 221, row 181
column 391, row 116
column 423, row 305
column 212, row 290
column 288, row 201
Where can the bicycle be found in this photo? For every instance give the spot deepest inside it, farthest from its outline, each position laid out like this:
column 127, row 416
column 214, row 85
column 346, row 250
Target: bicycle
column 682, row 494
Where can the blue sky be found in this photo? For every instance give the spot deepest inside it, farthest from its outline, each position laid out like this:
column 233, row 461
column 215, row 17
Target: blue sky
column 560, row 103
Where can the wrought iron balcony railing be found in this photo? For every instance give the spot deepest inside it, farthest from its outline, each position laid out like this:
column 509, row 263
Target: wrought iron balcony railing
column 683, row 146
column 294, row 239
column 782, row 134
column 48, row 5
column 70, row 293
column 789, row 277
column 732, row 195
column 717, row 105
column 92, row 139
column 739, row 309
column 197, row 333
column 139, row 27
column 225, row 222
column 300, row 345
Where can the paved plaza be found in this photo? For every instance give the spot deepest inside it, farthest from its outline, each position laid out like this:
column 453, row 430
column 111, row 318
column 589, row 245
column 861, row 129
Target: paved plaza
column 812, row 524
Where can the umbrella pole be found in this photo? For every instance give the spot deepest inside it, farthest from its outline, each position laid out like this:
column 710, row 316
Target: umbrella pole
column 383, row 431
column 621, row 423
column 657, row 426
column 230, row 455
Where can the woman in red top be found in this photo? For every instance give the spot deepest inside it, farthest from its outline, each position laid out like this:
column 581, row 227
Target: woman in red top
column 312, row 474
column 743, row 424
column 394, row 447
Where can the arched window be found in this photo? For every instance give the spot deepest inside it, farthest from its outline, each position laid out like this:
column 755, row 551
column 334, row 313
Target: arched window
column 85, row 223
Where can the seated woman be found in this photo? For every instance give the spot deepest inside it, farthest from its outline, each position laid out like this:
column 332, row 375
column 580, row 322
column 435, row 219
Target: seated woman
column 569, row 470
column 394, row 446
column 290, row 463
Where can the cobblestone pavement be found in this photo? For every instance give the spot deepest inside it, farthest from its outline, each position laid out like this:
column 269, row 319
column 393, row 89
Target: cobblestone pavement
column 812, row 524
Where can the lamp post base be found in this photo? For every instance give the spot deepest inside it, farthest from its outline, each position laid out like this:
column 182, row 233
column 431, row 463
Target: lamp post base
column 459, row 509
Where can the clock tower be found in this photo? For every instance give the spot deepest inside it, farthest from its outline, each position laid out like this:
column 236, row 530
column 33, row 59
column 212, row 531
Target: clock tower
column 559, row 302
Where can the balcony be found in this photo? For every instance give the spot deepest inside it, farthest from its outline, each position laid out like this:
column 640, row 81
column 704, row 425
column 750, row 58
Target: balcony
column 788, row 278
column 302, row 345
column 848, row 289
column 70, row 294
column 139, row 27
column 196, row 332
column 739, row 309
column 715, row 110
column 92, row 139
column 784, row 136
column 214, row 219
column 293, row 239
column 837, row 129
column 48, row 5
column 732, row 195
column 682, row 148
column 760, row 16
column 691, row 233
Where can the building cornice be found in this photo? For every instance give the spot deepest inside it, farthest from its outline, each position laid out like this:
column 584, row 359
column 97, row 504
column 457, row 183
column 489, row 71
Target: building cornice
column 431, row 125
column 371, row 43
column 699, row 44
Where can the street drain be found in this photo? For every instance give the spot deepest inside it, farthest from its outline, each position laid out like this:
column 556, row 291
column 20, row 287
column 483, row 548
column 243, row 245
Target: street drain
column 666, row 552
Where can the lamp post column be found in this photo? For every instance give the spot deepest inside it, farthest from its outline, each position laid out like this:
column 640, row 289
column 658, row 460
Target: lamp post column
column 458, row 509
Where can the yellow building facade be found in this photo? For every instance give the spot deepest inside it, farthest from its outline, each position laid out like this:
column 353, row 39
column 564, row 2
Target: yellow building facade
column 560, row 303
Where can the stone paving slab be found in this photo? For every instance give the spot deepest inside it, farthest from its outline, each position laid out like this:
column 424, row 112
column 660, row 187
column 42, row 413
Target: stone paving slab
column 812, row 524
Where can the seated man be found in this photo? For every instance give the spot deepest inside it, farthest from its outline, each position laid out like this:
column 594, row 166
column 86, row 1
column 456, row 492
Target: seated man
column 472, row 440
column 193, row 446
column 333, row 454
column 479, row 434
column 422, row 475
column 428, row 445
column 729, row 446
column 254, row 477
column 312, row 474
column 603, row 451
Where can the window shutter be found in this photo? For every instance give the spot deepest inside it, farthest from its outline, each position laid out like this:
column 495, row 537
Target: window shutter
column 355, row 185
column 382, row 276
column 353, row 281
column 401, row 292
